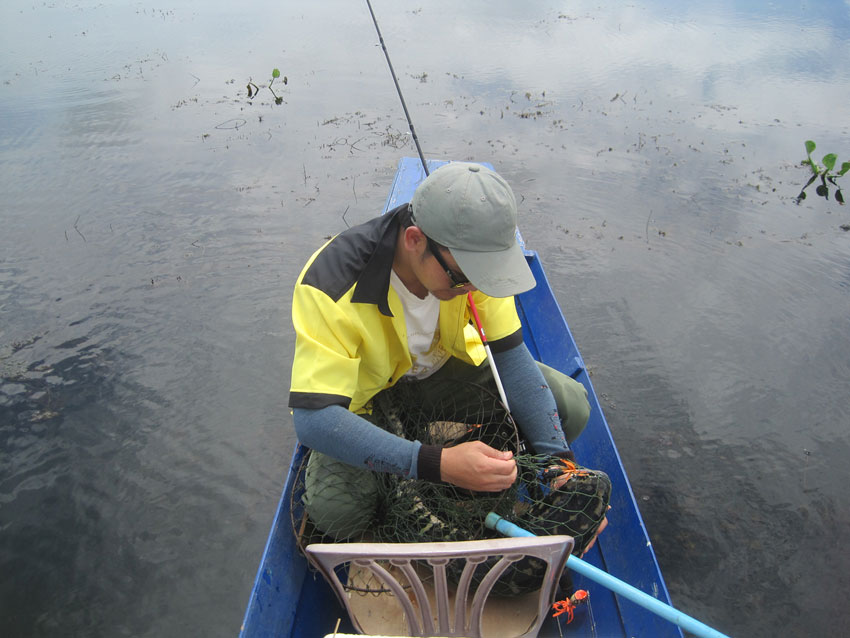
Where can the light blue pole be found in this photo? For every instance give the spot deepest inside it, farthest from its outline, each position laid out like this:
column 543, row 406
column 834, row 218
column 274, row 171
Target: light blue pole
column 496, row 522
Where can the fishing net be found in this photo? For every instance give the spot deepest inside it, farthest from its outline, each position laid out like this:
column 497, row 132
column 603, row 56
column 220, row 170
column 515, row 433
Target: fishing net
column 551, row 496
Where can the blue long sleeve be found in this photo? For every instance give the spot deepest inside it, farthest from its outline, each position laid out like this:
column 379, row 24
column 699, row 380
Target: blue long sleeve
column 531, row 400
column 350, row 438
column 343, row 435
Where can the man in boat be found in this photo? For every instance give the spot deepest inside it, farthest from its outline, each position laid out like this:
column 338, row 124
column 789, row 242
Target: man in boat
column 385, row 303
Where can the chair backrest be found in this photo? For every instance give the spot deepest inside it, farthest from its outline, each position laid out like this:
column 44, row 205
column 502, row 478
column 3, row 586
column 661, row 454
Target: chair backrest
column 389, row 561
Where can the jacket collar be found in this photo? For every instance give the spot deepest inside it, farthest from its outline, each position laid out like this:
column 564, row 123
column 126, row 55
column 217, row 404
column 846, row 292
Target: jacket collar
column 373, row 284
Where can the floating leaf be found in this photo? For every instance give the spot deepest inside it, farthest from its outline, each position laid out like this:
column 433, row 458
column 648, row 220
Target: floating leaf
column 839, row 198
column 844, row 168
column 810, row 147
column 829, row 161
column 822, row 190
column 276, row 73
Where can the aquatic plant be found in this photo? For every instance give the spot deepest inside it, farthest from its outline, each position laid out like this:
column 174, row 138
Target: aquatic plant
column 253, row 89
column 826, row 173
column 276, row 75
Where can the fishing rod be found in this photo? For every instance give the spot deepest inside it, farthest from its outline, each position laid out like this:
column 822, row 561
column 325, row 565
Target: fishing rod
column 497, row 523
column 398, row 89
column 486, row 345
column 472, row 307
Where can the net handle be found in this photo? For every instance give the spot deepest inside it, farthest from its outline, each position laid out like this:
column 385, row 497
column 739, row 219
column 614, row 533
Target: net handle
column 495, row 522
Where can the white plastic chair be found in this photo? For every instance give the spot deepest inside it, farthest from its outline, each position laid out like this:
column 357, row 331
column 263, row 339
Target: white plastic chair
column 415, row 604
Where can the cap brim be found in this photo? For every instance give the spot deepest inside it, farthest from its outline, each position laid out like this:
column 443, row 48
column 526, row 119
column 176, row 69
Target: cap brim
column 501, row 273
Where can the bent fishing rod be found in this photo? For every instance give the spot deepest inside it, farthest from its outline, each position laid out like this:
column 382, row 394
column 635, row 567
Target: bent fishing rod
column 496, row 522
column 472, row 307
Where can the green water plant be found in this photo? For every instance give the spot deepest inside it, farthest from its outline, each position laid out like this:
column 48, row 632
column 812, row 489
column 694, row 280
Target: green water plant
column 275, row 76
column 253, row 89
column 826, row 173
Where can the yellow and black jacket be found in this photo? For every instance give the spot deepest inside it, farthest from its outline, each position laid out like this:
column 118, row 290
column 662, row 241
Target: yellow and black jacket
column 350, row 329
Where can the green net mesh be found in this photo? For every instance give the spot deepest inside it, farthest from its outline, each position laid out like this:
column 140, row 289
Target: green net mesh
column 550, row 496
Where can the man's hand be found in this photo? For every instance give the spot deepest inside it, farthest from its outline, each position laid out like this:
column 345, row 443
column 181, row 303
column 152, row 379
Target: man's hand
column 477, row 466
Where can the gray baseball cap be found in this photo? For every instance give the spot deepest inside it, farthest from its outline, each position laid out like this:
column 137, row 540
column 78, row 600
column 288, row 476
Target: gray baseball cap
column 471, row 210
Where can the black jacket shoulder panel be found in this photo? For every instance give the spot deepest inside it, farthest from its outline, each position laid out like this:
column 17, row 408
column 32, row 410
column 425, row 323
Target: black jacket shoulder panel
column 361, row 255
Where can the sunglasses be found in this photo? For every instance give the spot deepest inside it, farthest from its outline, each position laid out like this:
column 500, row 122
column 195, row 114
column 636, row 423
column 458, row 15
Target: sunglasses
column 457, row 280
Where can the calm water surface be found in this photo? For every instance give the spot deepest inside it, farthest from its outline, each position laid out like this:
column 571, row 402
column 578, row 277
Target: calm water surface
column 154, row 219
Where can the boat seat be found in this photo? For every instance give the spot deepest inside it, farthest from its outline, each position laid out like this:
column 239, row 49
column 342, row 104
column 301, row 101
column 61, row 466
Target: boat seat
column 414, row 578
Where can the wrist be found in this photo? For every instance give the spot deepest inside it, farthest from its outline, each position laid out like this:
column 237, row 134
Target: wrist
column 428, row 463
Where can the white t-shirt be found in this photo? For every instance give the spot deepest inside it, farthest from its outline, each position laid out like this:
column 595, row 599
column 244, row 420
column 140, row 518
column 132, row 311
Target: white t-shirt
column 423, row 330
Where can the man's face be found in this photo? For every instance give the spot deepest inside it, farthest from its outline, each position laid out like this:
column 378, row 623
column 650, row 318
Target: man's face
column 453, row 282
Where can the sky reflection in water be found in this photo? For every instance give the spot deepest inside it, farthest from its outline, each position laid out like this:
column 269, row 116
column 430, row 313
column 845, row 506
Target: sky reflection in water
column 154, row 220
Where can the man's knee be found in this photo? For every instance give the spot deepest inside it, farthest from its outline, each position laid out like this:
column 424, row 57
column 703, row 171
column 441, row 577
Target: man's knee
column 571, row 399
column 339, row 498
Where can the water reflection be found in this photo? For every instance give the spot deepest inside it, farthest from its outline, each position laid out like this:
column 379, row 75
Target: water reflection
column 148, row 252
column 65, row 424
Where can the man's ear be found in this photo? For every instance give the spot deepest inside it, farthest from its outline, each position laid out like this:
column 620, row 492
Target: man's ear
column 415, row 240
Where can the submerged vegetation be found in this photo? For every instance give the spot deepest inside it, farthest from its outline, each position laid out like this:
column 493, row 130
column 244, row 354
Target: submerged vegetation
column 826, row 173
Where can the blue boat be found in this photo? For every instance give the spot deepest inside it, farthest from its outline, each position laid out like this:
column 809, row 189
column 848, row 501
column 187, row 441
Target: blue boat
column 291, row 600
